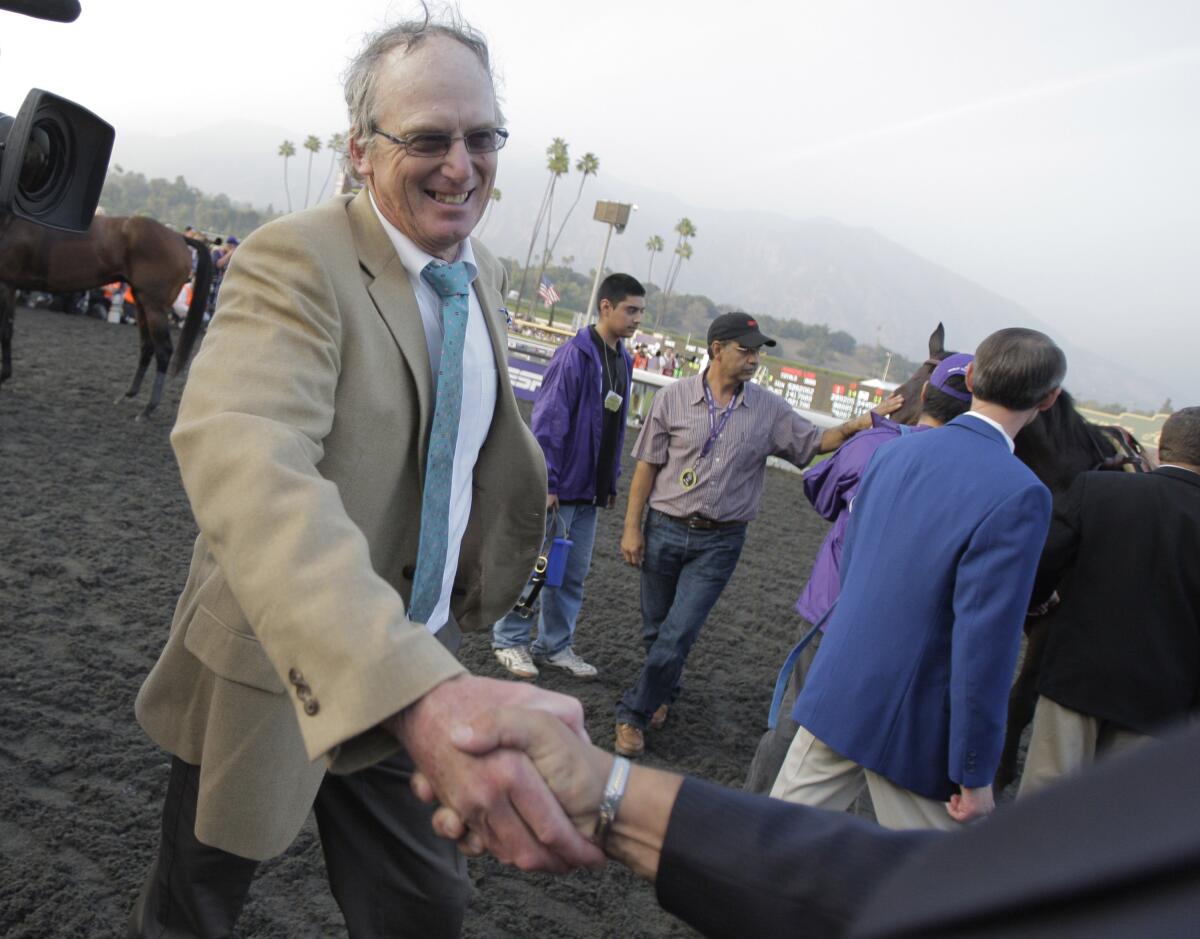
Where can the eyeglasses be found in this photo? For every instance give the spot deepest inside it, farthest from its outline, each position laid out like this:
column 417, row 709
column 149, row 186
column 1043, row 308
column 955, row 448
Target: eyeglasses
column 484, row 140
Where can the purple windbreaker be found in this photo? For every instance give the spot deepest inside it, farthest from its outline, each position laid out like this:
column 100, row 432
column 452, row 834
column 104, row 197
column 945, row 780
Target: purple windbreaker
column 568, row 419
column 830, row 485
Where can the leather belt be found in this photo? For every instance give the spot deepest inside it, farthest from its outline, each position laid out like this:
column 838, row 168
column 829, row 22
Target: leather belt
column 698, row 521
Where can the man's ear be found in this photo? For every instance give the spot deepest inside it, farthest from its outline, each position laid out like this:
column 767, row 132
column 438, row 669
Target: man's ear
column 359, row 159
column 969, row 378
column 603, row 307
column 1048, row 402
column 924, row 388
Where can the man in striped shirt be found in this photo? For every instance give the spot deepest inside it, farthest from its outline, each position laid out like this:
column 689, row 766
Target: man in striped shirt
column 701, row 461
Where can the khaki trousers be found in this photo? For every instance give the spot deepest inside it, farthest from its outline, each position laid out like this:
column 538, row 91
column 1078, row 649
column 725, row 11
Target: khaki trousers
column 1064, row 742
column 814, row 775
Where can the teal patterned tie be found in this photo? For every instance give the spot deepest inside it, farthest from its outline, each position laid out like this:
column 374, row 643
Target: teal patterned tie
column 453, row 284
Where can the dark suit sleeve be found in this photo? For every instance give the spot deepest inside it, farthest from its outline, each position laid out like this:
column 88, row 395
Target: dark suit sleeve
column 736, row 864
column 1062, row 542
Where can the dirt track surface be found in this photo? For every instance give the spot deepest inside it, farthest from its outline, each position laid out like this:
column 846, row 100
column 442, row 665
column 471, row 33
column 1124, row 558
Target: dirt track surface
column 95, row 536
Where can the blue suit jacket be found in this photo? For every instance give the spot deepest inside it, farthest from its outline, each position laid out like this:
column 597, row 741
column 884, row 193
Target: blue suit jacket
column 913, row 675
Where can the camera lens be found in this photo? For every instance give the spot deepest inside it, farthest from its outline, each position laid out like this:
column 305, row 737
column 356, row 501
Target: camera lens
column 44, row 158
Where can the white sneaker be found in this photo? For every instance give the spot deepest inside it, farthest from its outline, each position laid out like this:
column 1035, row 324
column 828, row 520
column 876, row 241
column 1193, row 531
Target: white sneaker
column 517, row 661
column 567, row 660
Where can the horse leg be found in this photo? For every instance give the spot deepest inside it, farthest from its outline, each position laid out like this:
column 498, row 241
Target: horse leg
column 1022, row 701
column 160, row 334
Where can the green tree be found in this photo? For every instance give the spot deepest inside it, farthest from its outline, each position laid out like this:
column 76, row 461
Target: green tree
column 558, row 162
column 654, row 244
column 588, row 165
column 287, row 150
column 312, row 143
column 685, row 231
column 336, row 144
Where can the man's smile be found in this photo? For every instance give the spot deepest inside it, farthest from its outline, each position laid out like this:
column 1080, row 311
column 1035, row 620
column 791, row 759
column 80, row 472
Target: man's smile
column 449, row 198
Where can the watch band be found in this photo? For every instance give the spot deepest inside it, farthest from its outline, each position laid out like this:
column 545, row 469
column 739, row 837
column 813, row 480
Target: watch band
column 610, row 802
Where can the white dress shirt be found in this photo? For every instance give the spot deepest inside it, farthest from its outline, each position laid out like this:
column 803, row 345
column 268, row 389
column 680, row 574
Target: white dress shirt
column 478, row 399
column 1003, row 433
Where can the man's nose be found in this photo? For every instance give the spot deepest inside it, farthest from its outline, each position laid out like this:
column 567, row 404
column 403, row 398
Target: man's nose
column 456, row 164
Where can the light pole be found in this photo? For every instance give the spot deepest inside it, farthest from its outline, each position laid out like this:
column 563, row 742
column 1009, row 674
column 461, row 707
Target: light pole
column 616, row 216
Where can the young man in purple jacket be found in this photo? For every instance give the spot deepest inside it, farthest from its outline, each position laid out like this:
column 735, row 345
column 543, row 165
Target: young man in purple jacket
column 579, row 420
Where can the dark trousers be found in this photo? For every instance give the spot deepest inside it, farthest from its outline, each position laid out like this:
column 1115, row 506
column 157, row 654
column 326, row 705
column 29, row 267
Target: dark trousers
column 390, row 874
column 773, row 745
column 683, row 574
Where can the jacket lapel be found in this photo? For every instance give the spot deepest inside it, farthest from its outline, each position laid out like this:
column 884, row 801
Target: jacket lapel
column 490, row 303
column 393, row 297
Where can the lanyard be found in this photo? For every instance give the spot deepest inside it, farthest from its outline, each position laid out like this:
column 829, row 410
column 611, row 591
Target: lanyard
column 714, row 426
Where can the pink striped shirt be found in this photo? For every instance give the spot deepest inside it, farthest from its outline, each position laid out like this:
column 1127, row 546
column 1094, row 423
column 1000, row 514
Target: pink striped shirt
column 730, row 478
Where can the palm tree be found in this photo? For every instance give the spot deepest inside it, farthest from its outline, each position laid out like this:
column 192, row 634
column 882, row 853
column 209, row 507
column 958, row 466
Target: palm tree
column 496, row 196
column 654, row 244
column 287, row 149
column 337, row 149
column 312, row 143
column 685, row 231
column 588, row 165
column 559, row 164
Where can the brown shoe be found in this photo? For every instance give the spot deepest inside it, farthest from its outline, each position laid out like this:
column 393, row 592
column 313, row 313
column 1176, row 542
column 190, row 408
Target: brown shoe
column 630, row 741
column 659, row 720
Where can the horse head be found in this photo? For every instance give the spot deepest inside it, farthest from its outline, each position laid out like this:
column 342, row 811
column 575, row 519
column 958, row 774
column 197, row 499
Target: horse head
column 911, row 389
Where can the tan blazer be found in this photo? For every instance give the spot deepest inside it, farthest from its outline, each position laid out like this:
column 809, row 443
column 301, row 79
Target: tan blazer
column 301, row 440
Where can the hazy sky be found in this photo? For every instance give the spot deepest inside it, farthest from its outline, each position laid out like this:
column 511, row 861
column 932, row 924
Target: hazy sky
column 1047, row 150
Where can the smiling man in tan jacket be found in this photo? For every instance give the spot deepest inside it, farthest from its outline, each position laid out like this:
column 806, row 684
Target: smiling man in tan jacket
column 364, row 486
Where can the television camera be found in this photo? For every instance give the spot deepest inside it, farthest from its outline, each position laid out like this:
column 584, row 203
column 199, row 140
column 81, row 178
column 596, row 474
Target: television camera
column 54, row 153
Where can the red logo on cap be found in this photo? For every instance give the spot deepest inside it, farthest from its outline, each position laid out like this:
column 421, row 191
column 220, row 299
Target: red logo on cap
column 751, row 322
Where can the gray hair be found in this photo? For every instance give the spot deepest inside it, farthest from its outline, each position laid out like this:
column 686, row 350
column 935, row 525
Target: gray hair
column 361, row 76
column 1016, row 368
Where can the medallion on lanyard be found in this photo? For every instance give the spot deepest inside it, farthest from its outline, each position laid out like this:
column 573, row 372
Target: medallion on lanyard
column 691, row 475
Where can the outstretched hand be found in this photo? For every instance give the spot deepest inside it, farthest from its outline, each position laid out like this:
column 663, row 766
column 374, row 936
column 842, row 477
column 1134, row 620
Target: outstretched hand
column 889, row 405
column 497, row 792
column 574, row 771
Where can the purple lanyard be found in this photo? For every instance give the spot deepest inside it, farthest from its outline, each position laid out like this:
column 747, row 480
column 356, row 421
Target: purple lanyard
column 714, row 426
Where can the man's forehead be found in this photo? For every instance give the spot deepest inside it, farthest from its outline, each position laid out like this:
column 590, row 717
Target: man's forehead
column 440, row 76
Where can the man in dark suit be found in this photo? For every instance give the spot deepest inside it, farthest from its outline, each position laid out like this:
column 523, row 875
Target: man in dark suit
column 1123, row 657
column 909, row 691
column 1112, row 854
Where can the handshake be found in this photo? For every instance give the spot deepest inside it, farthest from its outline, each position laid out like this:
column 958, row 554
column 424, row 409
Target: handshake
column 513, row 773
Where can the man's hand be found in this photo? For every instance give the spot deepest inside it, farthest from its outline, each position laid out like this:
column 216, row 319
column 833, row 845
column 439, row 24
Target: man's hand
column 551, row 501
column 970, row 804
column 889, row 405
column 574, row 771
column 500, row 795
column 611, row 501
column 633, row 546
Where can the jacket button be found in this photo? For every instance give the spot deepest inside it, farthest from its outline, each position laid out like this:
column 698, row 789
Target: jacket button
column 295, row 676
column 311, row 706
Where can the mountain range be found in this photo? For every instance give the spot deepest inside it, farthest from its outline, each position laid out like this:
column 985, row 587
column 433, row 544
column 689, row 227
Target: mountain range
column 812, row 269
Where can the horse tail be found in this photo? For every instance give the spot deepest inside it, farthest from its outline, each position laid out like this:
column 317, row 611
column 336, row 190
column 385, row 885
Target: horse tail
column 195, row 313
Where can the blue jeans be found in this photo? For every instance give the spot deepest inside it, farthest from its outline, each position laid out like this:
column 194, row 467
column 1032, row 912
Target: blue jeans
column 683, row 574
column 559, row 606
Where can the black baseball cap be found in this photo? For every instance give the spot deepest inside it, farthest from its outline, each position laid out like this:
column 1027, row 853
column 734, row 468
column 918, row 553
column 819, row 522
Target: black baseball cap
column 741, row 327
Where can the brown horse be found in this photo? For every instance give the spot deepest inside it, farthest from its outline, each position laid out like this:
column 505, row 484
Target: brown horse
column 151, row 258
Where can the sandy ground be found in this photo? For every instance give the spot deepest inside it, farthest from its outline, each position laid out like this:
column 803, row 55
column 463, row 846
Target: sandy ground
column 95, row 535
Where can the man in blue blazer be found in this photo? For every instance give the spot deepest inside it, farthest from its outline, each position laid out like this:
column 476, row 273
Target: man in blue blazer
column 908, row 694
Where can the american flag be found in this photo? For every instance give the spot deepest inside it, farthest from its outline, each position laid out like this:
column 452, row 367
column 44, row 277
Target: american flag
column 547, row 292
